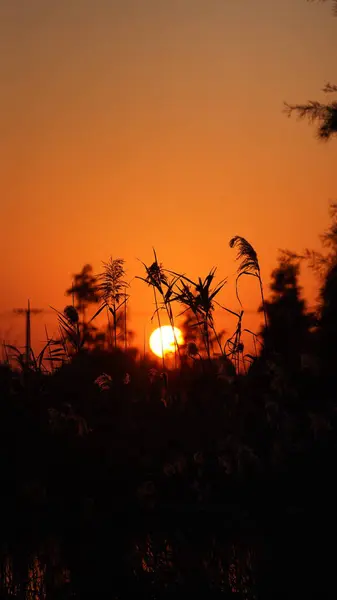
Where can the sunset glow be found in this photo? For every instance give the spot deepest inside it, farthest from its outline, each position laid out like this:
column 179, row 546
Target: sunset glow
column 147, row 126
column 164, row 339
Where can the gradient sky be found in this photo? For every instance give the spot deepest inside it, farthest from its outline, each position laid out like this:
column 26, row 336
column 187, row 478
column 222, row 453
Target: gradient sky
column 127, row 124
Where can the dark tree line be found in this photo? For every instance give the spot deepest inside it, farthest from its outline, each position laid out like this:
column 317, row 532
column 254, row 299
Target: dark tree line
column 120, row 479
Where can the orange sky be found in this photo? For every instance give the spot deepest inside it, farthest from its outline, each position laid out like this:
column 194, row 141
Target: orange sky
column 127, row 124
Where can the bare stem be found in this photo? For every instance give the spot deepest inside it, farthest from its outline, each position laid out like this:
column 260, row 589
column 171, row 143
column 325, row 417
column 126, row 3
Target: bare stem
column 159, row 325
column 263, row 302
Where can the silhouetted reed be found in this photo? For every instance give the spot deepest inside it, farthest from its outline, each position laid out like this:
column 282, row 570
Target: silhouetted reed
column 112, row 288
column 249, row 265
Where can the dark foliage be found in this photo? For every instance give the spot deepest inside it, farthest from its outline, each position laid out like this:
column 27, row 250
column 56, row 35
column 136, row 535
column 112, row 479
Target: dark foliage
column 120, row 480
column 325, row 114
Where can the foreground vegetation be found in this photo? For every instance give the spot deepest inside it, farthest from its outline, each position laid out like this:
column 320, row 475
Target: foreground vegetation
column 121, row 476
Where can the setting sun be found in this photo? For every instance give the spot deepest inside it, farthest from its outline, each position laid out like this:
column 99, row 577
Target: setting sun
column 164, row 339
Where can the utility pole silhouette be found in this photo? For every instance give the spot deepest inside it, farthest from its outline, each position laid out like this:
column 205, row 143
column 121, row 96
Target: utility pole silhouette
column 28, row 312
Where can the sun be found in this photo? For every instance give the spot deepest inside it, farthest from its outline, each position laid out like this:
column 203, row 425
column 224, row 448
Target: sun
column 163, row 340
